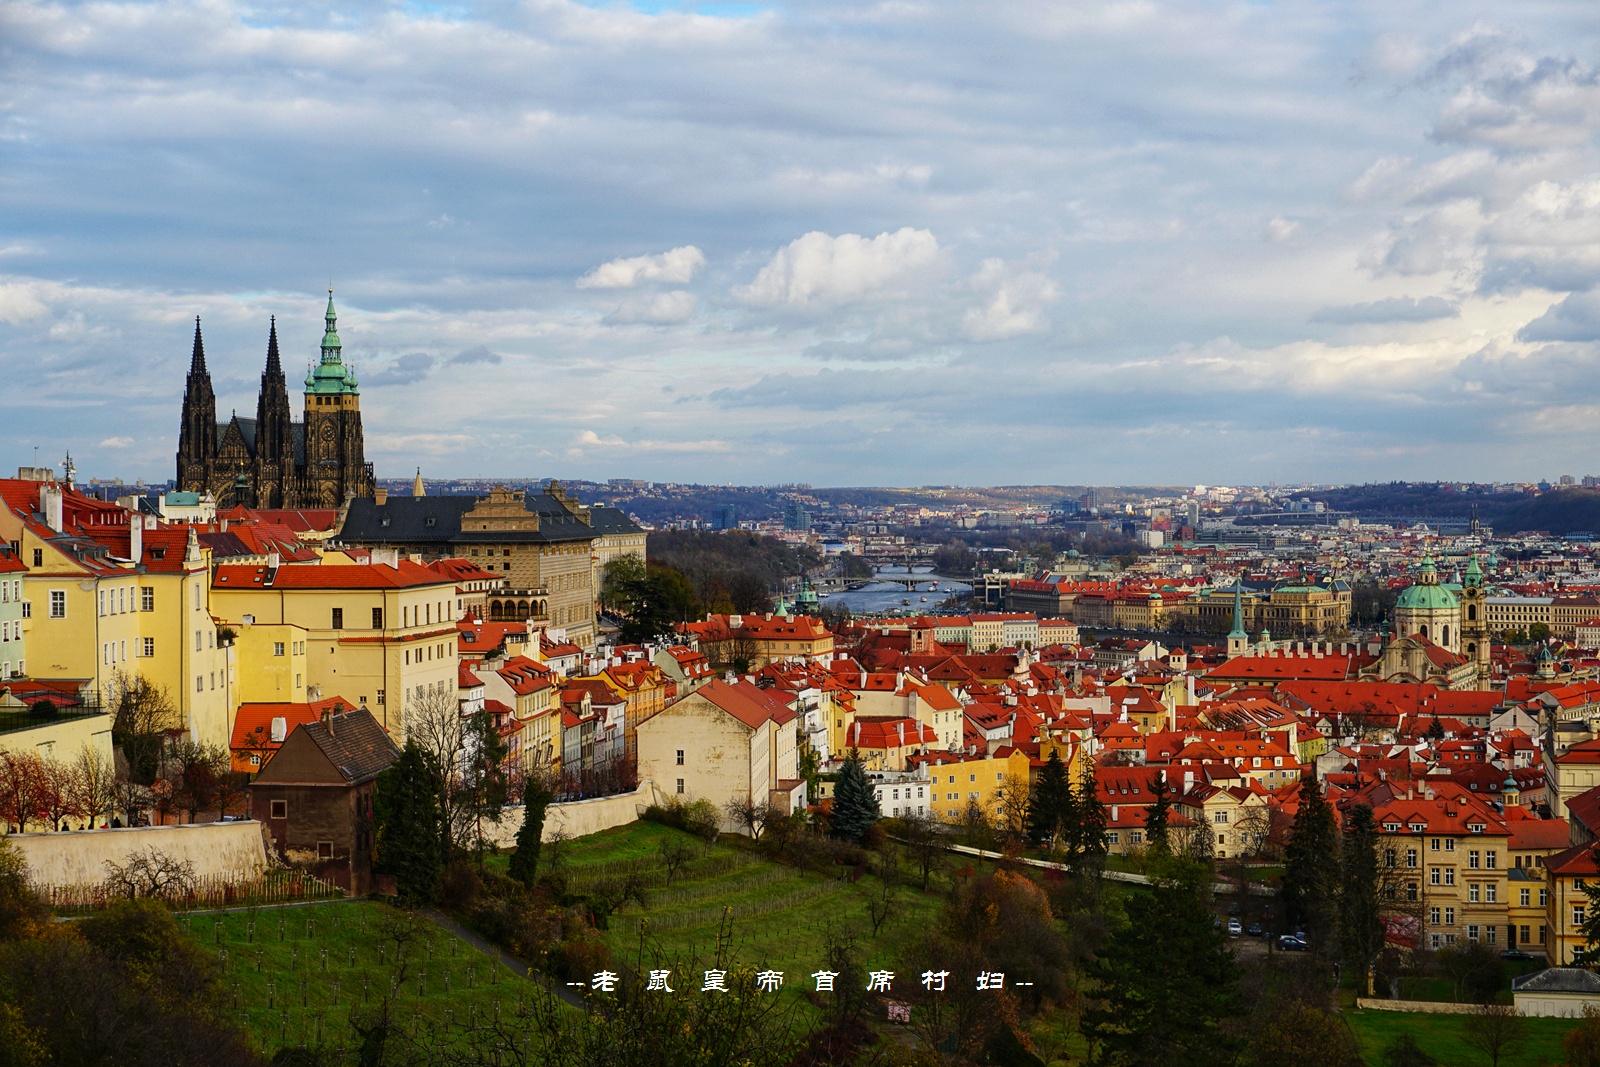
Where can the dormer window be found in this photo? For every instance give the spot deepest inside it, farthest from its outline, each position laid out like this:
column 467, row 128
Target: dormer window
column 1475, row 827
column 1418, row 827
column 1391, row 827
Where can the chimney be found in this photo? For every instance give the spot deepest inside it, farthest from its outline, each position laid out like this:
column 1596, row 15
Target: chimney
column 135, row 538
column 50, row 505
column 327, row 719
column 380, row 496
column 280, row 729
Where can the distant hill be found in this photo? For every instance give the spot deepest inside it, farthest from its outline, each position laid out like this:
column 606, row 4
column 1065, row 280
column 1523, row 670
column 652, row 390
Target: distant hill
column 1560, row 511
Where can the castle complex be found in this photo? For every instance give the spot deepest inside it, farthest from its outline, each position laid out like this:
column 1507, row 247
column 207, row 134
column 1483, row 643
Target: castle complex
column 271, row 461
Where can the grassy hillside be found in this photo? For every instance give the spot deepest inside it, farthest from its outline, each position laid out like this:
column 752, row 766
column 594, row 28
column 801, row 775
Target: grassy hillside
column 1440, row 1036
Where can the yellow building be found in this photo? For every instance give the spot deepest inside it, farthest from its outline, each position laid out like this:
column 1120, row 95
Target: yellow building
column 380, row 635
column 271, row 663
column 761, row 639
column 1453, row 855
column 955, row 782
column 111, row 595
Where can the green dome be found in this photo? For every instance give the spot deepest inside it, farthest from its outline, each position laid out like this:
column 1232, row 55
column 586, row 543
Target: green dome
column 1426, row 598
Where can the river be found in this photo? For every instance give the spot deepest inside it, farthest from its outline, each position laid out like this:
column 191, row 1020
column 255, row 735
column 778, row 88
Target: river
column 878, row 598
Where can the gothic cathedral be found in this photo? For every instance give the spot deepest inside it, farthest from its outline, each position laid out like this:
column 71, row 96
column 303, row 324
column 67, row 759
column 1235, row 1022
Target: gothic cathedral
column 271, row 461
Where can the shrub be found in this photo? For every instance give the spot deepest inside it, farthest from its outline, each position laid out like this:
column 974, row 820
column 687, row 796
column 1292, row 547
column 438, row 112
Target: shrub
column 460, row 886
column 43, row 709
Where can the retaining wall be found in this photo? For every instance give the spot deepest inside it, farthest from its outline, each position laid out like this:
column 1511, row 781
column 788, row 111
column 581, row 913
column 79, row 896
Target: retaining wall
column 79, row 857
column 578, row 817
column 1436, row 1007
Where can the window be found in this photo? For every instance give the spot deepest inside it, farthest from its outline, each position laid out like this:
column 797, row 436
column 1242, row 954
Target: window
column 280, row 809
column 972, row 777
column 147, row 598
column 338, row 619
column 149, row 647
column 1523, row 900
column 1135, row 837
column 1449, row 876
column 1449, row 844
column 380, row 692
column 680, row 785
column 324, row 850
column 680, row 757
column 199, row 683
column 1543, row 933
column 1491, row 893
column 1411, row 857
column 1489, row 860
column 58, row 603
column 1433, row 916
column 1435, row 877
column 1449, row 916
column 1433, row 846
column 377, row 618
column 1472, row 931
column 1388, row 857
column 1472, row 893
column 1577, row 915
column 1433, row 940
column 100, row 602
column 198, row 644
column 1113, row 838
column 1472, row 859
column 27, row 609
column 1221, row 818
column 38, row 557
column 1522, row 934
column 1544, row 897
column 1411, row 891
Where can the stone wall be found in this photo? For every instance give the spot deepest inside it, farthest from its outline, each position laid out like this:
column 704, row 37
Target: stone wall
column 578, row 817
column 1436, row 1007
column 222, row 849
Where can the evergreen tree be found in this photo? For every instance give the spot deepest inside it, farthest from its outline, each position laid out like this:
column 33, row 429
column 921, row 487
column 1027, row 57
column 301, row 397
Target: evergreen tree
column 1589, row 954
column 484, row 786
column 1090, row 829
column 524, row 866
column 1158, row 815
column 855, row 805
column 406, row 823
column 1311, row 868
column 1050, row 805
column 1361, row 928
column 1166, row 983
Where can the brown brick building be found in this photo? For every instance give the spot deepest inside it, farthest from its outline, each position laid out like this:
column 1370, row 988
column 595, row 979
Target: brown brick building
column 315, row 796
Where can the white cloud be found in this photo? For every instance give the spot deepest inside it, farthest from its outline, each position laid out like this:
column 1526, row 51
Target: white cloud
column 676, row 267
column 818, row 268
column 20, row 303
column 116, row 442
column 1015, row 305
column 661, row 309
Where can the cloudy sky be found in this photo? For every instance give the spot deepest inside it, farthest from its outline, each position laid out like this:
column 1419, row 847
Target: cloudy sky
column 904, row 242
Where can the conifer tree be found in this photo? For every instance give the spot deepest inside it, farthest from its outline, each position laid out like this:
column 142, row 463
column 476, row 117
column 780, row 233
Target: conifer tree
column 524, row 865
column 1050, row 804
column 1158, row 815
column 406, row 823
column 1165, row 983
column 1091, row 823
column 855, row 805
column 1360, row 924
column 1311, row 868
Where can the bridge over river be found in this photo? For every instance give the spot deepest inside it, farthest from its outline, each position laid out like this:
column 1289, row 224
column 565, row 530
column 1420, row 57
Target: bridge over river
column 910, row 581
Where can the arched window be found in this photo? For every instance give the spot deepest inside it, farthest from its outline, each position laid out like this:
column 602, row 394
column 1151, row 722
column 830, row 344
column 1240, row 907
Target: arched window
column 1445, row 639
column 1472, row 650
column 1424, row 630
column 1472, row 613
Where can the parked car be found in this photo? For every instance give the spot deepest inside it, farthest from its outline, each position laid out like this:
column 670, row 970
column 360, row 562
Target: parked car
column 1234, row 929
column 1514, row 954
column 1254, row 930
column 1291, row 943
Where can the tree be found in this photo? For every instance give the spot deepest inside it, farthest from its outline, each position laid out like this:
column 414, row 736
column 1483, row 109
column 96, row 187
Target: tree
column 753, row 814
column 142, row 713
column 22, row 788
column 1582, row 1043
column 855, row 805
column 94, row 784
column 1475, row 970
column 1051, row 818
column 1494, row 1030
column 483, row 785
column 434, row 721
column 1301, row 1035
column 925, row 841
column 194, row 771
column 1589, row 954
column 1361, row 927
column 21, row 906
column 524, row 864
column 407, row 824
column 653, row 599
column 1091, row 826
column 1158, row 814
column 1166, row 983
column 1014, row 804
column 1311, row 868
column 151, row 874
column 1404, row 1051
column 57, row 798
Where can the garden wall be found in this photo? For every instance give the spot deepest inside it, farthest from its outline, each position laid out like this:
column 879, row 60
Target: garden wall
column 226, row 849
column 578, row 817
column 1437, row 1007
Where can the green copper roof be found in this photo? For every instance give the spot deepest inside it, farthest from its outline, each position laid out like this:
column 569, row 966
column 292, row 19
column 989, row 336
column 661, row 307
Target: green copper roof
column 1474, row 572
column 1427, row 594
column 331, row 376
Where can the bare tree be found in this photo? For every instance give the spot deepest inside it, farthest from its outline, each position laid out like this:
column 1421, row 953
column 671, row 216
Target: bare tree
column 142, row 713
column 675, row 852
column 57, row 797
column 881, row 906
column 1494, row 1030
column 751, row 814
column 151, row 873
column 1013, row 808
column 434, row 721
column 94, row 783
column 925, row 841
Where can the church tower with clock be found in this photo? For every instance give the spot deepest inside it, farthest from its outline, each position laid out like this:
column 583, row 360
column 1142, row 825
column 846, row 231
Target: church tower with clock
column 270, row 461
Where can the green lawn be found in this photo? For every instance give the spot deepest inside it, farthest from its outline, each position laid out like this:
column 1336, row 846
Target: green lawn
column 779, row 915
column 295, row 975
column 1440, row 1035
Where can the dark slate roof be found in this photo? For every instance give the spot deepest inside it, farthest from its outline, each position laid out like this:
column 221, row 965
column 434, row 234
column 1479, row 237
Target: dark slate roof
column 410, row 520
column 224, row 545
column 1558, row 980
column 247, row 427
column 357, row 746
